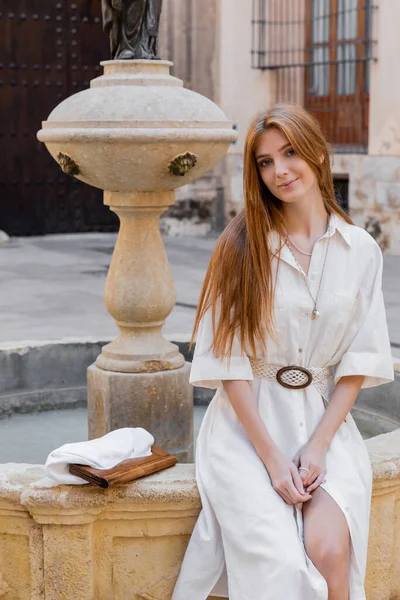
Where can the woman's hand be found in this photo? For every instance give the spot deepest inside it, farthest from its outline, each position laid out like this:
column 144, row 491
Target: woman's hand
column 285, row 478
column 312, row 457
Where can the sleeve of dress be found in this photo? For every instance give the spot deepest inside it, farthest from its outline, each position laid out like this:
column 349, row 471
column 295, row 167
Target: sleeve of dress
column 369, row 352
column 208, row 370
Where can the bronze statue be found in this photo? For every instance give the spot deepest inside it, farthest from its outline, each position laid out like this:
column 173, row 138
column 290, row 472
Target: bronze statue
column 132, row 26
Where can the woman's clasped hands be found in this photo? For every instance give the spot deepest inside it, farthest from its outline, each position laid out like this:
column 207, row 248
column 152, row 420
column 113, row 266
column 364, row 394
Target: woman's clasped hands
column 294, row 480
column 311, row 463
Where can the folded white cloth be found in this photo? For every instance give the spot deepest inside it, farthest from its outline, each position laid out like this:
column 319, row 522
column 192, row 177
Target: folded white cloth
column 101, row 453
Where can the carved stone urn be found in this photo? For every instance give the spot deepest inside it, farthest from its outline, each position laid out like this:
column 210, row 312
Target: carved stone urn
column 138, row 134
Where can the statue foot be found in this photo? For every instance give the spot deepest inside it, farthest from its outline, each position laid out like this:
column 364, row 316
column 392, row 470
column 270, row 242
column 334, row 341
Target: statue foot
column 126, row 55
column 140, row 54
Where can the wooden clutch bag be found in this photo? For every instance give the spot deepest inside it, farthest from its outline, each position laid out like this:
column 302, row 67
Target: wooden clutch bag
column 127, row 470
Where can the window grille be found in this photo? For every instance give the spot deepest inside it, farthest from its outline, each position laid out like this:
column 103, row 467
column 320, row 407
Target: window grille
column 318, row 53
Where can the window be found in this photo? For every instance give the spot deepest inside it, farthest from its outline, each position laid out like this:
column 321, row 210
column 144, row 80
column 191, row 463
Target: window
column 319, row 52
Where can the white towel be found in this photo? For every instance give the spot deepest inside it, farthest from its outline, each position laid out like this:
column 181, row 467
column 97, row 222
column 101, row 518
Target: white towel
column 101, row 453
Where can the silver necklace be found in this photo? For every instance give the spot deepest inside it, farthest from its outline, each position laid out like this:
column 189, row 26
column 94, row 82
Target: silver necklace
column 295, row 245
column 297, row 248
column 315, row 312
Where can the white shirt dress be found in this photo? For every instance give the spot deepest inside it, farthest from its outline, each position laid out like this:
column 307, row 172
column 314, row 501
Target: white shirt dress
column 248, row 543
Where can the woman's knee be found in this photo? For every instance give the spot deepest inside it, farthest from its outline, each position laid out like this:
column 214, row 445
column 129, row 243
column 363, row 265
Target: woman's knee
column 329, row 556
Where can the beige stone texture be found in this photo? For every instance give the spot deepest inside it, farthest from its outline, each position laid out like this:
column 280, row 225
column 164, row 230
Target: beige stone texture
column 242, row 91
column 384, row 115
column 374, row 191
column 199, row 207
column 187, row 38
column 63, row 542
column 140, row 291
column 161, row 402
column 383, row 571
column 124, row 131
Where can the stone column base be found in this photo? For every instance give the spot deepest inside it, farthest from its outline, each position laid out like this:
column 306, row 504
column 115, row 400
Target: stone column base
column 161, row 402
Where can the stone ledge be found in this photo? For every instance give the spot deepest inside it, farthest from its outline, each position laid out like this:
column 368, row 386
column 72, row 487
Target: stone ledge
column 86, row 543
column 28, row 483
column 384, row 452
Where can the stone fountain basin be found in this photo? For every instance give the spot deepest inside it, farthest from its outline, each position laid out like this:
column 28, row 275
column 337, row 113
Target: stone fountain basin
column 121, row 157
column 134, row 120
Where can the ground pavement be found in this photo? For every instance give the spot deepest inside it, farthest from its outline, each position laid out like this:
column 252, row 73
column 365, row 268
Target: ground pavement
column 52, row 287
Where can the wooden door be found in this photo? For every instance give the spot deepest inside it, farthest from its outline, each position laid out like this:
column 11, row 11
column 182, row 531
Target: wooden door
column 50, row 50
column 337, row 83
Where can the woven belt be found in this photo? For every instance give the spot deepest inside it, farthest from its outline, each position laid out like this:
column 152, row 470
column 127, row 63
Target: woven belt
column 293, row 377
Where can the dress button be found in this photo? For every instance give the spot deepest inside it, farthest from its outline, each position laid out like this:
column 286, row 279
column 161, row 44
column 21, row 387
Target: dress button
column 300, row 349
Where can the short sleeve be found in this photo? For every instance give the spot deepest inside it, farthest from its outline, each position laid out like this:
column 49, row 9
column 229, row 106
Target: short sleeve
column 209, row 371
column 369, row 352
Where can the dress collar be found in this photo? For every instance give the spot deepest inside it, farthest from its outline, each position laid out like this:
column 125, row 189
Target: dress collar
column 337, row 223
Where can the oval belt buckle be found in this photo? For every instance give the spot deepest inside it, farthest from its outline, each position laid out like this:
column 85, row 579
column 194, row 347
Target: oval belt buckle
column 302, row 384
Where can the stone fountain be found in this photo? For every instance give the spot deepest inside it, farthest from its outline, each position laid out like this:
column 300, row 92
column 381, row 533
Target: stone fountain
column 138, row 134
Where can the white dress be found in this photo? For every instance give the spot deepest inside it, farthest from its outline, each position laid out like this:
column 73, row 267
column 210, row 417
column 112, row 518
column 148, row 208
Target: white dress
column 247, row 543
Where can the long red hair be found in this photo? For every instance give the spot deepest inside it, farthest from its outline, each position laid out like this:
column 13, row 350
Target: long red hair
column 239, row 278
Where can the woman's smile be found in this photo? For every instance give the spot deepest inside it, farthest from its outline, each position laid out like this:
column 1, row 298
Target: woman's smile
column 288, row 185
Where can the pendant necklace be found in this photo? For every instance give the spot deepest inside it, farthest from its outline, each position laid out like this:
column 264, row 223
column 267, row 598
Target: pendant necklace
column 315, row 312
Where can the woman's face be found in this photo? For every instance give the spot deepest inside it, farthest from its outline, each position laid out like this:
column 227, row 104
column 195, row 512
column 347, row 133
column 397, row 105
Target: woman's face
column 286, row 175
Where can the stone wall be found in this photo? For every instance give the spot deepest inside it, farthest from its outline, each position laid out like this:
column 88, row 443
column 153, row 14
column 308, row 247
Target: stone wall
column 84, row 543
column 384, row 110
column 188, row 39
column 199, row 208
column 374, row 195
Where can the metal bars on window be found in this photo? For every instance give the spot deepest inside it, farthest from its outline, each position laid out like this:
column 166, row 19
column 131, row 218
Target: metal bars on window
column 319, row 53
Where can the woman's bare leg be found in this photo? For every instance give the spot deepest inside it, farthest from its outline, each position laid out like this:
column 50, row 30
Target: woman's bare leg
column 327, row 542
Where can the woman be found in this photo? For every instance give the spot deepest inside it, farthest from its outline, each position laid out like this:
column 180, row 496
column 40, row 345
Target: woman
column 282, row 470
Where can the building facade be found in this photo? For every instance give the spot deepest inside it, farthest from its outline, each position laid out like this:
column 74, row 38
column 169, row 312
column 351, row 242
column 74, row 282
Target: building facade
column 338, row 58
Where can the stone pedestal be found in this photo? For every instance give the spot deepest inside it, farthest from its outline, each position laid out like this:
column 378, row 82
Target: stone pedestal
column 140, row 378
column 161, row 402
column 140, row 290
